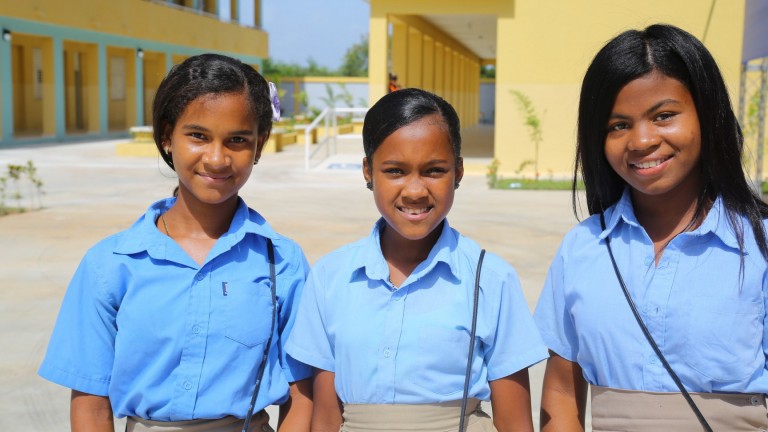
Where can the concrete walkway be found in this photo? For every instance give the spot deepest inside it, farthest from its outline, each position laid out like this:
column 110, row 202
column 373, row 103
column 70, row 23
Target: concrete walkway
column 90, row 193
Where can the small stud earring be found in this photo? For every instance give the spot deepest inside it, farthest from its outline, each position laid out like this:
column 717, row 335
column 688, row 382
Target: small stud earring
column 256, row 161
column 456, row 185
column 369, row 185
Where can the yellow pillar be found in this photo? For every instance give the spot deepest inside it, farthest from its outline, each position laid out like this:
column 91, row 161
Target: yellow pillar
column 49, row 90
column 377, row 56
column 428, row 64
column 448, row 75
column 439, row 69
column 415, row 45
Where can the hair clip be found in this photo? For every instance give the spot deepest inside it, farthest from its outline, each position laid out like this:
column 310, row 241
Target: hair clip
column 275, row 101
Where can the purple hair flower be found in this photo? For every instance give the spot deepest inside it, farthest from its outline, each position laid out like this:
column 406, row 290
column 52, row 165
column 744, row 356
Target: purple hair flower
column 275, row 102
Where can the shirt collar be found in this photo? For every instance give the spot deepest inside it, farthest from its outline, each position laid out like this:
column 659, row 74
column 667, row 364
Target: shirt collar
column 144, row 235
column 716, row 221
column 374, row 265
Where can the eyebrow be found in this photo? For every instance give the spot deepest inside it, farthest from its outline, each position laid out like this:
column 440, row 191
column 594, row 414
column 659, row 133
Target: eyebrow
column 650, row 110
column 397, row 162
column 195, row 127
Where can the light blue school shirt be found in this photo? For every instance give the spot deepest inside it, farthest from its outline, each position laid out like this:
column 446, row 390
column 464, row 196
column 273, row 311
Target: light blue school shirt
column 709, row 322
column 410, row 345
column 167, row 339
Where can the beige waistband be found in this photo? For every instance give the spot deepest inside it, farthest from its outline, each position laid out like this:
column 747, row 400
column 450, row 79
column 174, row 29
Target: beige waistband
column 259, row 423
column 638, row 411
column 437, row 417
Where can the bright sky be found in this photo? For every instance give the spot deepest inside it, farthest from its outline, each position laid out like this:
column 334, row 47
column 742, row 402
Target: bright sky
column 318, row 29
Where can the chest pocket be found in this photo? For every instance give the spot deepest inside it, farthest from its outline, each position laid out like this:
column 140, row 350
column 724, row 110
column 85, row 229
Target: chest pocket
column 724, row 338
column 248, row 309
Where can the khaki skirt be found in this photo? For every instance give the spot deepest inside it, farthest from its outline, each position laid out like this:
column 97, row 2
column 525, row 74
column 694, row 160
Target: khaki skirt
column 638, row 411
column 259, row 423
column 440, row 417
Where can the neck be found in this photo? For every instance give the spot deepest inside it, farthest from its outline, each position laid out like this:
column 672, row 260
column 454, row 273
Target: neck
column 404, row 254
column 191, row 218
column 667, row 215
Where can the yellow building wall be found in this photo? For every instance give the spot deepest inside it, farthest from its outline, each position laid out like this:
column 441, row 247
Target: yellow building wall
column 546, row 47
column 143, row 20
column 543, row 50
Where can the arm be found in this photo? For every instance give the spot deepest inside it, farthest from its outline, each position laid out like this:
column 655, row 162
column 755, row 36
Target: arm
column 90, row 413
column 564, row 396
column 327, row 409
column 296, row 412
column 511, row 403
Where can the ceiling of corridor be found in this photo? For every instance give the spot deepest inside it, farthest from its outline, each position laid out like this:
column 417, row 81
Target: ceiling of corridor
column 476, row 32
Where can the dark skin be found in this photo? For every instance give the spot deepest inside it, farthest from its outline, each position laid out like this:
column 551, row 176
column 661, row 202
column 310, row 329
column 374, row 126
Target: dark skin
column 564, row 396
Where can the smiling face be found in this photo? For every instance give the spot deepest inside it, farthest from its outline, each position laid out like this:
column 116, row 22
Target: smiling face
column 214, row 144
column 414, row 172
column 654, row 139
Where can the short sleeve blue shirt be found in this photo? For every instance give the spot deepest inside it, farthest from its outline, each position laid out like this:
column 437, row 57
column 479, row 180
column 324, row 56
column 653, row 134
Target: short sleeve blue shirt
column 409, row 345
column 708, row 319
column 167, row 339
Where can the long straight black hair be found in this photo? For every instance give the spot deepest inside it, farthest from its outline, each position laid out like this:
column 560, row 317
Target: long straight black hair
column 679, row 55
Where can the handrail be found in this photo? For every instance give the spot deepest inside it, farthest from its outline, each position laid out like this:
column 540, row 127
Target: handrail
column 328, row 114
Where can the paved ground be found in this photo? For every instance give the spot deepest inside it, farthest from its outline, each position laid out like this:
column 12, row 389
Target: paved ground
column 91, row 193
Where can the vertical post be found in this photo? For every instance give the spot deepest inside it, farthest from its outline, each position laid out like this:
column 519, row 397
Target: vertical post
column 103, row 91
column 59, row 104
column 6, row 90
column 139, row 71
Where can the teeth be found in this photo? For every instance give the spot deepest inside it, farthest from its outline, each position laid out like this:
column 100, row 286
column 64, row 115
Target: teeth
column 411, row 211
column 651, row 164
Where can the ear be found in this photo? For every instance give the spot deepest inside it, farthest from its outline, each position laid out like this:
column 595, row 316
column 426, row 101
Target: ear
column 459, row 169
column 367, row 170
column 260, row 142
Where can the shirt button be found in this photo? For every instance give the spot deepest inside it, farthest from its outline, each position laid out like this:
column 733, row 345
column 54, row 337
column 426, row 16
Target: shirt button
column 187, row 385
column 200, row 276
column 195, row 329
column 755, row 400
column 386, row 353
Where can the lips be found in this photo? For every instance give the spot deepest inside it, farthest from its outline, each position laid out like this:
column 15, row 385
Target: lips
column 415, row 213
column 649, row 164
column 215, row 178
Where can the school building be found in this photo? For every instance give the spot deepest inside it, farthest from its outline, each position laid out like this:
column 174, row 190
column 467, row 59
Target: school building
column 88, row 69
column 540, row 49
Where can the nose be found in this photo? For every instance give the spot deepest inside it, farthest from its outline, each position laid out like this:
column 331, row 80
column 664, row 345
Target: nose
column 216, row 155
column 644, row 136
column 415, row 188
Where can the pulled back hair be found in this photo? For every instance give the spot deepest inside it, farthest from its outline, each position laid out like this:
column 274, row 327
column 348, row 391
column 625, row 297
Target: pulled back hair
column 677, row 54
column 403, row 107
column 203, row 75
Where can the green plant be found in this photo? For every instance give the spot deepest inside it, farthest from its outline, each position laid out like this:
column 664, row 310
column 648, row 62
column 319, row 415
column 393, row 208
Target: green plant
column 532, row 121
column 17, row 174
column 524, row 164
column 492, row 175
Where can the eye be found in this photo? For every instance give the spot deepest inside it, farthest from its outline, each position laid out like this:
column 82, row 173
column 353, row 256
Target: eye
column 239, row 140
column 197, row 135
column 617, row 126
column 393, row 171
column 664, row 116
column 436, row 171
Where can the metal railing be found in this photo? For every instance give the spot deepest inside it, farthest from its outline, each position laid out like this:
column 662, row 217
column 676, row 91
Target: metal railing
column 330, row 117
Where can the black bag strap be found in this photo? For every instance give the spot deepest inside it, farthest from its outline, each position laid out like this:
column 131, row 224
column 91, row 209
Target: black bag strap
column 471, row 342
column 263, row 364
column 648, row 336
